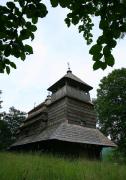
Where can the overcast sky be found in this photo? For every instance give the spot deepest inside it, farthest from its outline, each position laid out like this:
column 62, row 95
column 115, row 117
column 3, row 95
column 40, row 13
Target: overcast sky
column 54, row 46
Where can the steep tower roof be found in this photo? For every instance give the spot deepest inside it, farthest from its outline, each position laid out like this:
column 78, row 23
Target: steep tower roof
column 72, row 80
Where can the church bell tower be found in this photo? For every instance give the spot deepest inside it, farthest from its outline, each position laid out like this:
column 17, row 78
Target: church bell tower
column 71, row 102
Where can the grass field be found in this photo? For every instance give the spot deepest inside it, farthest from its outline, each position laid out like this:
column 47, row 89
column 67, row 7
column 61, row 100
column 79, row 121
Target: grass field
column 46, row 167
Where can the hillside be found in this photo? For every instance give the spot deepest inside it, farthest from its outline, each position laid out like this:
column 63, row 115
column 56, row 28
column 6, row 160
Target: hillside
column 47, row 167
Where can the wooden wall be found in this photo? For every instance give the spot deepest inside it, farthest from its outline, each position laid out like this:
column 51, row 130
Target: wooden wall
column 33, row 126
column 73, row 110
column 57, row 111
column 80, row 113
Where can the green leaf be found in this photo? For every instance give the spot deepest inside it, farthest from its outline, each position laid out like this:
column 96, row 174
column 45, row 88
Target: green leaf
column 42, row 10
column 101, row 40
column 31, row 27
column 54, row 3
column 103, row 65
column 67, row 21
column 10, row 5
column 97, row 57
column 95, row 49
column 2, row 65
column 21, row 2
column 103, row 24
column 116, row 33
column 96, row 65
column 15, row 50
column 81, row 28
column 13, row 65
column 75, row 20
column 22, row 55
column 7, row 51
column 8, row 69
column 6, row 61
column 110, row 60
column 106, row 51
column 32, row 36
column 64, row 3
column 3, row 35
column 99, row 64
column 34, row 20
column 2, row 47
column 123, row 27
column 4, row 10
column 24, row 34
column 112, row 43
column 28, row 49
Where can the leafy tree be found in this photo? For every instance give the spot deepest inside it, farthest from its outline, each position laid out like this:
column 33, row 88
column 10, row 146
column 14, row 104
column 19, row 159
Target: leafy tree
column 5, row 133
column 111, row 107
column 14, row 119
column 9, row 123
column 0, row 99
column 19, row 19
column 1, row 106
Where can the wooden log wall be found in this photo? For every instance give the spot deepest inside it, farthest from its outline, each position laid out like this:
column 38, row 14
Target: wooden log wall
column 80, row 113
column 57, row 111
column 77, row 93
column 34, row 126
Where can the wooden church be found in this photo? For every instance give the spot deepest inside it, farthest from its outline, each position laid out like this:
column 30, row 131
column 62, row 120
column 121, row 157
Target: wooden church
column 64, row 123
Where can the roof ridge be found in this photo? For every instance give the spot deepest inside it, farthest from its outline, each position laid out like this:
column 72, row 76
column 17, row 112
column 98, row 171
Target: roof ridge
column 76, row 78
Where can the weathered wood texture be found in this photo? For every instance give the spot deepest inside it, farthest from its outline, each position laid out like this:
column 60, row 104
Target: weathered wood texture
column 80, row 113
column 65, row 122
column 64, row 148
column 37, row 111
column 57, row 112
column 77, row 108
column 71, row 92
column 32, row 129
column 72, row 80
column 35, row 122
column 71, row 109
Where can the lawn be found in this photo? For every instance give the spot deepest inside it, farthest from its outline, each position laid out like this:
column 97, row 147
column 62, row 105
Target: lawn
column 14, row 166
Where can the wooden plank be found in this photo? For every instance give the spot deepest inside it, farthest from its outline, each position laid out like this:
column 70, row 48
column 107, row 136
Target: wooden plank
column 80, row 111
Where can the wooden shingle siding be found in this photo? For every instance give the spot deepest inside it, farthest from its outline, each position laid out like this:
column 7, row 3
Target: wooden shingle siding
column 69, row 133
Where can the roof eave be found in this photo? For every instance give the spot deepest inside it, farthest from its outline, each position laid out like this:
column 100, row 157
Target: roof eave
column 62, row 80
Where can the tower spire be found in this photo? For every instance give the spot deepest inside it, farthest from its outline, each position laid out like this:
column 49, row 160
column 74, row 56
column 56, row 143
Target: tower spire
column 69, row 70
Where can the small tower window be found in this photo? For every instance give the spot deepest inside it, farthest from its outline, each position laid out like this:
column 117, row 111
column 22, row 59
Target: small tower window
column 83, row 123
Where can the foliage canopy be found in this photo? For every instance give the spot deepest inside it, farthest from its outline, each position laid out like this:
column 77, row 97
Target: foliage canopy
column 0, row 99
column 9, row 124
column 111, row 107
column 14, row 119
column 19, row 19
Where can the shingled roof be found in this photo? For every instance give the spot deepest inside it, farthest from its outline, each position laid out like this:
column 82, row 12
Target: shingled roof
column 69, row 133
column 70, row 77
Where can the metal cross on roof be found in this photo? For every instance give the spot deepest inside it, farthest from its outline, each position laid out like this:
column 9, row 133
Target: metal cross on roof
column 69, row 70
column 68, row 65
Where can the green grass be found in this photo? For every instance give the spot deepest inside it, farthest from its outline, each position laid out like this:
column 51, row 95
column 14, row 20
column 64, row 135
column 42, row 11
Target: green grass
column 47, row 167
